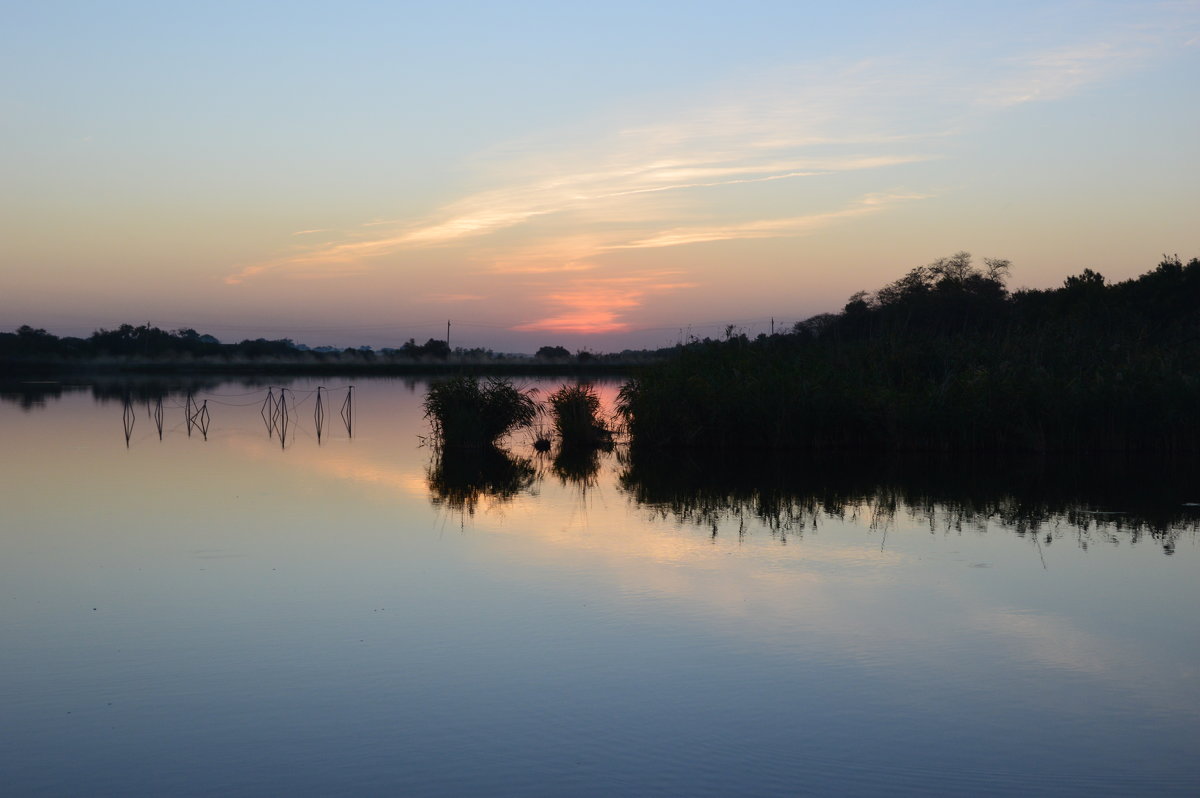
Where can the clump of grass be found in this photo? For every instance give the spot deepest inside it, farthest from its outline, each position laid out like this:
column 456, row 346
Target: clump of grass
column 465, row 412
column 576, row 412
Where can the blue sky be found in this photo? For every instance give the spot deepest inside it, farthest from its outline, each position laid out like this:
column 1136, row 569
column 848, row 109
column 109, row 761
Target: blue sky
column 595, row 175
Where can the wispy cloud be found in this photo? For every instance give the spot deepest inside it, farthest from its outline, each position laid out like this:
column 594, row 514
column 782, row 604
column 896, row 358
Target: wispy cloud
column 451, row 298
column 781, row 155
column 1051, row 73
column 654, row 175
column 767, row 228
column 1055, row 74
column 541, row 268
column 584, row 194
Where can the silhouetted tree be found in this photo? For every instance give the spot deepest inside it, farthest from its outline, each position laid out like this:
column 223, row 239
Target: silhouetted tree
column 553, row 353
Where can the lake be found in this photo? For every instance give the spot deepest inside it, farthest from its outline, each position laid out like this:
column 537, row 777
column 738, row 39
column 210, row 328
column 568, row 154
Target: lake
column 237, row 606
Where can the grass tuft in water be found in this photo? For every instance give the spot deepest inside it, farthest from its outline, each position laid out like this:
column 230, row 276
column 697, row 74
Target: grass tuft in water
column 465, row 412
column 576, row 413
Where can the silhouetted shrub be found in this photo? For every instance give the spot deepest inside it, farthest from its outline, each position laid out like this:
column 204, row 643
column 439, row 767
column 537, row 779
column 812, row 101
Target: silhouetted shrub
column 945, row 358
column 576, row 412
column 464, row 412
column 553, row 353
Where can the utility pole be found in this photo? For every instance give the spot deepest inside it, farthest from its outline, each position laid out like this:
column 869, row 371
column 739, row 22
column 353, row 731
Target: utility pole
column 447, row 335
column 772, row 325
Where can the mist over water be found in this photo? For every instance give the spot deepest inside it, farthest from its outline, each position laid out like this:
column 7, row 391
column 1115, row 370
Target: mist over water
column 250, row 607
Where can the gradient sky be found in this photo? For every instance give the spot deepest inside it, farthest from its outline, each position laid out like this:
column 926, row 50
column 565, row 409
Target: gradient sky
column 595, row 175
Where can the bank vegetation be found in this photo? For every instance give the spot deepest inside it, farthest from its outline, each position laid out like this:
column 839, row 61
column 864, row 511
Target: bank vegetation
column 946, row 358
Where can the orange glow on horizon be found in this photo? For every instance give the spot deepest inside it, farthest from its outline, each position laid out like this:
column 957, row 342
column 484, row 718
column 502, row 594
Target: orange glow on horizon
column 595, row 305
column 584, row 322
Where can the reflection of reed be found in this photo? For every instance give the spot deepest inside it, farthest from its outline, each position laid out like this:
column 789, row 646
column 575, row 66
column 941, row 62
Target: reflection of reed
column 275, row 415
column 1043, row 499
column 579, row 466
column 347, row 411
column 319, row 414
column 197, row 416
column 158, row 416
column 278, row 411
column 129, row 417
column 459, row 477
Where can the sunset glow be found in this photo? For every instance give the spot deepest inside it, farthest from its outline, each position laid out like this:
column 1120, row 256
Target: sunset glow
column 604, row 190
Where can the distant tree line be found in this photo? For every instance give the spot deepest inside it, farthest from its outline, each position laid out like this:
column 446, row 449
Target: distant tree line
column 149, row 344
column 140, row 342
column 947, row 358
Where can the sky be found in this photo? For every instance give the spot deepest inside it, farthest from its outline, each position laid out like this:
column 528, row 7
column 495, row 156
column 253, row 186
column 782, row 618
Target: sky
column 592, row 175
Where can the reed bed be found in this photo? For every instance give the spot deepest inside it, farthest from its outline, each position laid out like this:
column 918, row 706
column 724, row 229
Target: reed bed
column 939, row 364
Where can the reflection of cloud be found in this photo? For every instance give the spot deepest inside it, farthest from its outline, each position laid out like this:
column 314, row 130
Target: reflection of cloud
column 835, row 592
column 1048, row 641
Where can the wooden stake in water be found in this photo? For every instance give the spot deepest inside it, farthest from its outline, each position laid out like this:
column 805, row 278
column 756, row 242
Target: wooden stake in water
column 190, row 410
column 202, row 419
column 268, row 411
column 319, row 415
column 129, row 417
column 283, row 417
column 348, row 411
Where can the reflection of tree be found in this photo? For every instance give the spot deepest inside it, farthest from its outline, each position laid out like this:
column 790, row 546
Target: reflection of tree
column 1044, row 499
column 459, row 477
column 30, row 394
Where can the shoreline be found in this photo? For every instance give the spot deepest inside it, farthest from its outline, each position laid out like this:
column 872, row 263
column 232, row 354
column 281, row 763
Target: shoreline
column 18, row 371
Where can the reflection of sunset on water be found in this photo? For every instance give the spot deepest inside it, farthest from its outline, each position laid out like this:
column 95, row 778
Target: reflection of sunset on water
column 238, row 563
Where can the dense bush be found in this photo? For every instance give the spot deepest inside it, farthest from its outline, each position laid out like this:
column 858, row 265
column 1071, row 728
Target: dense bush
column 465, row 412
column 576, row 413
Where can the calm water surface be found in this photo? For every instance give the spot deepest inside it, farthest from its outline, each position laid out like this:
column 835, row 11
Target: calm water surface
column 232, row 614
